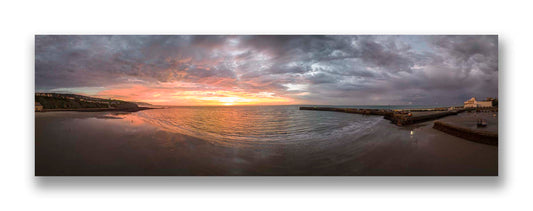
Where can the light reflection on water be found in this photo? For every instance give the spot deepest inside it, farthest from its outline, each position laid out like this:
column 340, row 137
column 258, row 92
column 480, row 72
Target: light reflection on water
column 255, row 124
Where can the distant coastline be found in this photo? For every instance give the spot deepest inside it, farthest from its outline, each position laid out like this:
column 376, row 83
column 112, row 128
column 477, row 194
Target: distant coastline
column 51, row 102
column 99, row 109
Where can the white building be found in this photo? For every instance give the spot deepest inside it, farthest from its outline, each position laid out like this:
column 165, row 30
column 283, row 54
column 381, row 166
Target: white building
column 473, row 103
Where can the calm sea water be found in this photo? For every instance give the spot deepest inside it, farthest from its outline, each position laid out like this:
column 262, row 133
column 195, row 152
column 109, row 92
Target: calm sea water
column 247, row 124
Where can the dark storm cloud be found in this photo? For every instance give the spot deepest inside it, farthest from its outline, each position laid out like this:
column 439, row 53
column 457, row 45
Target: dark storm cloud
column 390, row 55
column 67, row 61
column 326, row 69
column 470, row 53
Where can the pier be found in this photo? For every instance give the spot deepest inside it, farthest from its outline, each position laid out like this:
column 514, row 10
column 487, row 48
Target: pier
column 398, row 117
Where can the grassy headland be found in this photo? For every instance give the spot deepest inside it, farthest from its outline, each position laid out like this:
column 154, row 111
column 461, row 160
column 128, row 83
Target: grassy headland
column 73, row 102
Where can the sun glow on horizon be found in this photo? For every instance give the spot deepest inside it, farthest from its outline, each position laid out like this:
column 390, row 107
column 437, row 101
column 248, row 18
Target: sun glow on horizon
column 177, row 96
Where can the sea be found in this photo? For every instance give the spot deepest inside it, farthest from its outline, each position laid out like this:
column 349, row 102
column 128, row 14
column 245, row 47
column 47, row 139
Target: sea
column 257, row 124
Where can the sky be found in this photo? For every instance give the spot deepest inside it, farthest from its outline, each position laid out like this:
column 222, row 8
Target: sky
column 270, row 69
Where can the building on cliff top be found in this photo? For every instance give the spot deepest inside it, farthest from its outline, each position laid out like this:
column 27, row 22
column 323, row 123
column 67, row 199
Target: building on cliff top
column 473, row 103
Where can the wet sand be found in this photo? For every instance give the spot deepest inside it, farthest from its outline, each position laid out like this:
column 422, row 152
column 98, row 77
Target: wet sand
column 101, row 143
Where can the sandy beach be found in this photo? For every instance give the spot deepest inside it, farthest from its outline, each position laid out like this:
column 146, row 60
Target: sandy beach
column 103, row 143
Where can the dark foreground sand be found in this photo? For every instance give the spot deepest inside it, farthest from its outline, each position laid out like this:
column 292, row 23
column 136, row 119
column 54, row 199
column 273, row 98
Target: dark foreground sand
column 71, row 143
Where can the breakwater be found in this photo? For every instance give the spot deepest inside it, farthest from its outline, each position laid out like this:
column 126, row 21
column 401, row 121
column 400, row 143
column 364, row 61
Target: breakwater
column 478, row 136
column 416, row 117
column 402, row 117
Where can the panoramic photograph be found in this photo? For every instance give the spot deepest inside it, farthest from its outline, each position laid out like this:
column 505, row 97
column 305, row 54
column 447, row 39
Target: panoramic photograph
column 266, row 105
